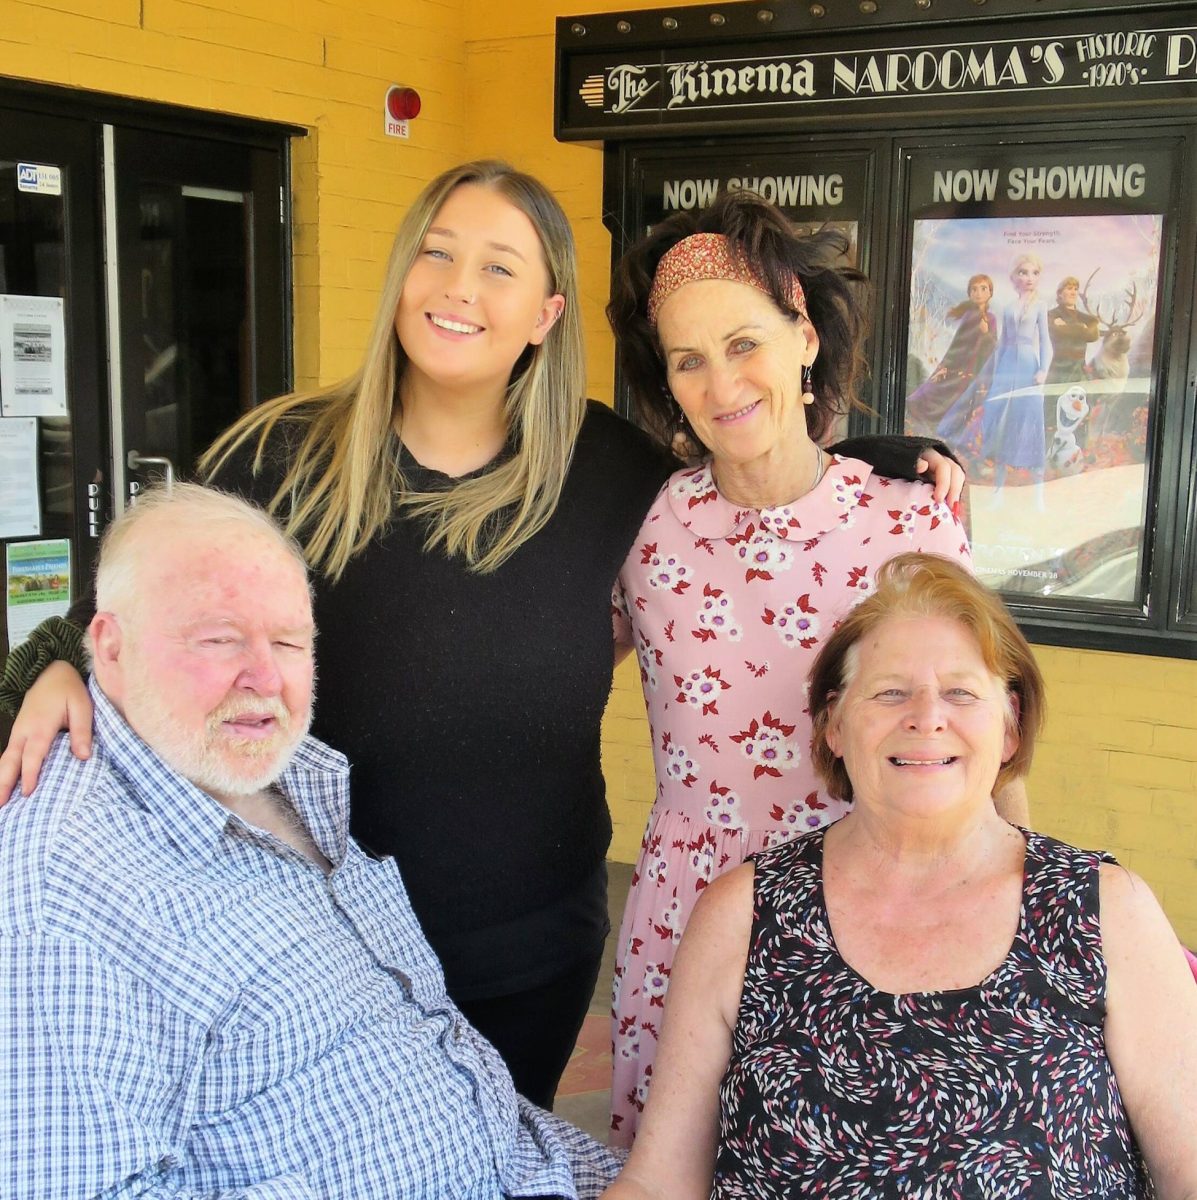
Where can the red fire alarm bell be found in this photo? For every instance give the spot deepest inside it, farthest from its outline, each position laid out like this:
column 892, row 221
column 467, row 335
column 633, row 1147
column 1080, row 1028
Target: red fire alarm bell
column 402, row 104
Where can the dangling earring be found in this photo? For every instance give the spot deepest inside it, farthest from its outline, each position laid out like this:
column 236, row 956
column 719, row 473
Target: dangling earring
column 808, row 386
column 682, row 442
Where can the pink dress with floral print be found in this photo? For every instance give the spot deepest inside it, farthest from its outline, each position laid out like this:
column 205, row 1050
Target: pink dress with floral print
column 726, row 609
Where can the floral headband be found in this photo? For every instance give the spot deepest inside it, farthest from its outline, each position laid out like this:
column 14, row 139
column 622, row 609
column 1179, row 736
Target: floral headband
column 708, row 256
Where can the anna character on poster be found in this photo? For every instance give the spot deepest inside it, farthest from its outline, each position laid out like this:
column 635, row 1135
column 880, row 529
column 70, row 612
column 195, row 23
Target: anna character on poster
column 1012, row 430
column 972, row 344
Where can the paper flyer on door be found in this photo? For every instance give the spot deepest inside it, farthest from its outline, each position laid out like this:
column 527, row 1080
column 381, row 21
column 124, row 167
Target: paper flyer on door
column 20, row 511
column 38, row 579
column 32, row 357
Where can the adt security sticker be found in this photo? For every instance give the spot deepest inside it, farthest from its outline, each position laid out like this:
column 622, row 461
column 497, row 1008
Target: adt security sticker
column 37, row 177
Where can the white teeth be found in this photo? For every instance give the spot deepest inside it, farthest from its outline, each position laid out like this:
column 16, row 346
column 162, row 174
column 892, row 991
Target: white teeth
column 922, row 762
column 739, row 412
column 454, row 326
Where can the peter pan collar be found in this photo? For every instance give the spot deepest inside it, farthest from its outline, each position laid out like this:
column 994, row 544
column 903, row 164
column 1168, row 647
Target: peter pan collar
column 696, row 502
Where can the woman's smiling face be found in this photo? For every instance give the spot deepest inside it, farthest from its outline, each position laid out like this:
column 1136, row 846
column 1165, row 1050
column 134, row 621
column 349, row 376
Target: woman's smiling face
column 734, row 363
column 477, row 294
column 922, row 725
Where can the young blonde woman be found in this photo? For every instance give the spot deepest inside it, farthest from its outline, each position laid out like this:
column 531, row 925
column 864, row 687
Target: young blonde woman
column 466, row 513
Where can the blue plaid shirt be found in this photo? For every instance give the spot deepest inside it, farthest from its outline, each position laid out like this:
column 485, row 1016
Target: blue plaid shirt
column 190, row 1008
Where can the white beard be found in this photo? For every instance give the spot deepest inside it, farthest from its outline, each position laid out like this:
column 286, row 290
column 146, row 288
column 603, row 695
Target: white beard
column 212, row 758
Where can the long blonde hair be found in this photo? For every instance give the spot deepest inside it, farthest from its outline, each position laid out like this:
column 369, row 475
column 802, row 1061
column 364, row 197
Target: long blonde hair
column 343, row 483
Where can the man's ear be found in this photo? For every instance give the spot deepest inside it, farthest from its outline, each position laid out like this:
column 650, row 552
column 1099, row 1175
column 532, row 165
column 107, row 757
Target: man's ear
column 106, row 643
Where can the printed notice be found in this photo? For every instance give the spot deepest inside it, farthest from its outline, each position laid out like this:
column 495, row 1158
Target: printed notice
column 38, row 575
column 20, row 515
column 32, row 357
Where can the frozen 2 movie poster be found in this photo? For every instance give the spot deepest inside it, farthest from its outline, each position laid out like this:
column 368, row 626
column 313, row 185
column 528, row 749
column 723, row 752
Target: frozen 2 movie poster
column 1031, row 352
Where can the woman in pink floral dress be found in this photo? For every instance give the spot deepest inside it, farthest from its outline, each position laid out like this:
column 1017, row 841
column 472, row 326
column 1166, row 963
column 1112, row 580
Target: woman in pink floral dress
column 752, row 337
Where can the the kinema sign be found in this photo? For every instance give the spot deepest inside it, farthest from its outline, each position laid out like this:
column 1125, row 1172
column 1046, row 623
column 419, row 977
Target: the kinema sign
column 761, row 82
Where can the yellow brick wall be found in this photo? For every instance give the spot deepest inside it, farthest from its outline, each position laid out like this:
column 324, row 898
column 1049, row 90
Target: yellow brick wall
column 1117, row 767
column 321, row 64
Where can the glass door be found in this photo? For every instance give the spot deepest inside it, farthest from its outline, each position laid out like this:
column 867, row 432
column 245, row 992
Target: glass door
column 199, row 233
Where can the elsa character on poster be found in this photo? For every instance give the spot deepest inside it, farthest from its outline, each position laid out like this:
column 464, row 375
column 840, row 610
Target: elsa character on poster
column 1012, row 431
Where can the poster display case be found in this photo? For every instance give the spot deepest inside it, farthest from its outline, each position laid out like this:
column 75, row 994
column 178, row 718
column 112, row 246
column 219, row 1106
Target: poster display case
column 1035, row 276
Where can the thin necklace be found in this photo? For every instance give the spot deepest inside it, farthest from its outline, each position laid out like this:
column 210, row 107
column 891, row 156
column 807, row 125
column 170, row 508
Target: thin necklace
column 820, row 467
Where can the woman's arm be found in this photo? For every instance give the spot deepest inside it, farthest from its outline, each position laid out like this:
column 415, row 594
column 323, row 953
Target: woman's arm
column 1151, row 1030
column 57, row 700
column 674, row 1154
column 909, row 458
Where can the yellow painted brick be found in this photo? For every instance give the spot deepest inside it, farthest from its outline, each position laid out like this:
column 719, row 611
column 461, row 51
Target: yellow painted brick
column 1165, row 707
column 1180, row 905
column 340, row 242
column 1151, row 833
column 1175, row 742
column 1179, row 897
column 1116, row 733
column 1057, row 661
column 149, row 82
column 200, row 23
column 66, row 31
column 629, row 705
column 1125, row 697
column 390, row 49
column 1129, row 800
column 1163, row 674
column 1086, row 759
column 122, row 12
column 365, row 273
column 34, row 62
column 1182, row 805
column 1148, row 771
column 1064, row 696
column 625, row 844
column 1178, row 879
column 1100, row 666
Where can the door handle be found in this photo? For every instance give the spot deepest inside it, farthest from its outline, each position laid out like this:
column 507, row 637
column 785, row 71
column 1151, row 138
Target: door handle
column 137, row 461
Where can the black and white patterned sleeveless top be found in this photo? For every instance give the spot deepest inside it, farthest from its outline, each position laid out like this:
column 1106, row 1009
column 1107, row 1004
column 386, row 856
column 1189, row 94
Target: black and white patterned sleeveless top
column 999, row 1091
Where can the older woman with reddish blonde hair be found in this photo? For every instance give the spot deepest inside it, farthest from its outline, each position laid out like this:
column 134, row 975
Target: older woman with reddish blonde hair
column 922, row 1000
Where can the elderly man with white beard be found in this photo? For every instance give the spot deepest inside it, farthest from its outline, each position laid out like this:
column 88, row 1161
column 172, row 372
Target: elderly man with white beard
column 209, row 989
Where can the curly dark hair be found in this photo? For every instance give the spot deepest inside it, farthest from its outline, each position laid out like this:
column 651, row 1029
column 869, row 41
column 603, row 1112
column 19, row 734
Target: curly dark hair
column 837, row 299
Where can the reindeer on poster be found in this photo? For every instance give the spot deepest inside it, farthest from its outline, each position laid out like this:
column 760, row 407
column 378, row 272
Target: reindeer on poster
column 1108, row 371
